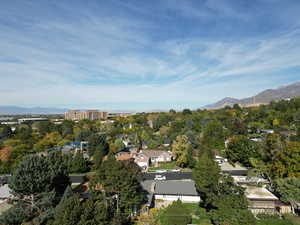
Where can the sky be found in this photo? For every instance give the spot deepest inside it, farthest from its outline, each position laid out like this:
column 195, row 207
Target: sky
column 145, row 55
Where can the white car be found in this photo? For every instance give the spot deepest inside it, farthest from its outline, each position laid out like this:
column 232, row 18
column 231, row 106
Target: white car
column 159, row 177
column 175, row 170
column 161, row 171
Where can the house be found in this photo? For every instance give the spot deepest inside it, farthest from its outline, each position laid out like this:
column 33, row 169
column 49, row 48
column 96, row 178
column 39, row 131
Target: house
column 142, row 161
column 235, row 169
column 220, row 159
column 256, row 139
column 124, row 156
column 128, row 144
column 163, row 193
column 260, row 200
column 267, row 131
column 288, row 133
column 283, row 208
column 5, row 193
column 77, row 179
column 243, row 180
column 157, row 156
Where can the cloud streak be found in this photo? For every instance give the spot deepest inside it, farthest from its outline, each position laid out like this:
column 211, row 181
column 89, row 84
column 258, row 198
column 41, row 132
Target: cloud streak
column 162, row 54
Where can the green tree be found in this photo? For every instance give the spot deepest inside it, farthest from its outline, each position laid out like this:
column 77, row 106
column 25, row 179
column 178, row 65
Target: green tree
column 98, row 210
column 186, row 112
column 119, row 145
column 241, row 149
column 38, row 183
column 97, row 141
column 176, row 214
column 287, row 161
column 68, row 211
column 288, row 190
column 5, row 131
column 229, row 205
column 79, row 164
column 44, row 127
column 214, row 135
column 122, row 180
column 206, row 168
column 14, row 216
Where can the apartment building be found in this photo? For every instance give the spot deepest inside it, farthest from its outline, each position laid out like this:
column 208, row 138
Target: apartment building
column 88, row 114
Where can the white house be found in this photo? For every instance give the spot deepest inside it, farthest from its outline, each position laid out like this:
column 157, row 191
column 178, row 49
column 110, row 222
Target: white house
column 142, row 161
column 163, row 193
column 157, row 156
column 5, row 193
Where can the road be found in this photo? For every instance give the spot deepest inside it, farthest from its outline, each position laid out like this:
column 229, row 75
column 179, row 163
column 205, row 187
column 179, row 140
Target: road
column 169, row 175
column 186, row 175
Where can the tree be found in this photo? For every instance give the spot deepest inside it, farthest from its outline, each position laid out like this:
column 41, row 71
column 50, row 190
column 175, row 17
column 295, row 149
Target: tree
column 214, row 135
column 229, row 204
column 232, row 216
column 79, row 164
column 38, row 183
column 186, row 112
column 122, row 180
column 97, row 141
column 44, row 127
column 5, row 131
column 24, row 132
column 14, row 216
column 172, row 111
column 241, row 149
column 67, row 128
column 206, row 168
column 287, row 161
column 119, row 145
column 288, row 190
column 97, row 210
column 152, row 218
column 176, row 214
column 68, row 211
column 99, row 154
column 181, row 148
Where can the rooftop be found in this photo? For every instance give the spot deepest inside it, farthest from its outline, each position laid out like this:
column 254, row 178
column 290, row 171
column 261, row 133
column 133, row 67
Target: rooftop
column 154, row 153
column 226, row 166
column 176, row 187
column 5, row 191
column 253, row 192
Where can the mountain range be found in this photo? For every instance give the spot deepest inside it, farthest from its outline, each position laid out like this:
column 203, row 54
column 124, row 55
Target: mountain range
column 264, row 97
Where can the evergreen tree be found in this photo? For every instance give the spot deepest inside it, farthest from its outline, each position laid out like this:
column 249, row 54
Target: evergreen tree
column 37, row 184
column 206, row 175
column 79, row 164
column 97, row 142
column 68, row 211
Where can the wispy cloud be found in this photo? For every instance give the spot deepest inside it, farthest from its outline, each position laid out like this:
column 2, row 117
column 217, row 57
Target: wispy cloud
column 162, row 54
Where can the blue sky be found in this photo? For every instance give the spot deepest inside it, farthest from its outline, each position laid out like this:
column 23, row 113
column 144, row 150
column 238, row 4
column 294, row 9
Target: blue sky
column 145, row 55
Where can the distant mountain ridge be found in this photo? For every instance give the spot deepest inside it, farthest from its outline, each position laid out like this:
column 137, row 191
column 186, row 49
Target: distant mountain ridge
column 15, row 110
column 264, row 97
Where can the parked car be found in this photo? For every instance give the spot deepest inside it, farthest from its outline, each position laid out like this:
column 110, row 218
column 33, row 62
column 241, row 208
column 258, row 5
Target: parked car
column 175, row 170
column 161, row 171
column 159, row 177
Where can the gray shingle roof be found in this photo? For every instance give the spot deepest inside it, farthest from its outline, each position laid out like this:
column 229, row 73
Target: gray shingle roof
column 176, row 187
